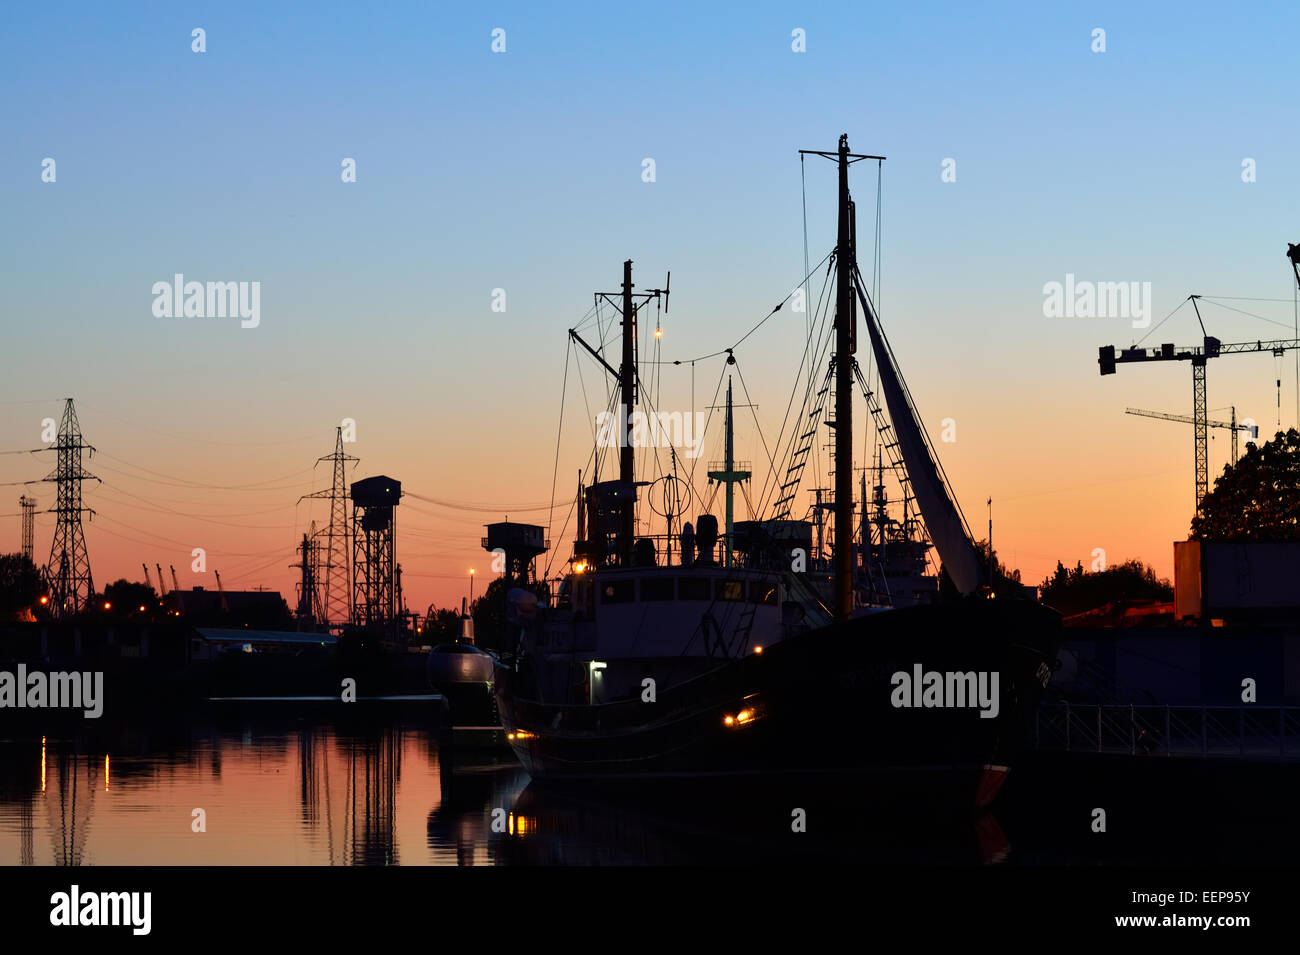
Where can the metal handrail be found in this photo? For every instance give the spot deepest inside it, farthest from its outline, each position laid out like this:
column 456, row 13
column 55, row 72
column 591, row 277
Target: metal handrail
column 1244, row 730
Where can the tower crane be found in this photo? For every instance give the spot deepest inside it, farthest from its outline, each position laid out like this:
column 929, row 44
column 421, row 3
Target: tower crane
column 1211, row 347
column 1188, row 419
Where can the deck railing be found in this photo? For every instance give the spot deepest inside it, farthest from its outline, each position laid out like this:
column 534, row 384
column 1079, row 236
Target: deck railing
column 1244, row 731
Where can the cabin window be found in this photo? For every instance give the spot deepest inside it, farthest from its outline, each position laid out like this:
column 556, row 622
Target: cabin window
column 618, row 591
column 731, row 590
column 657, row 588
column 763, row 592
column 693, row 588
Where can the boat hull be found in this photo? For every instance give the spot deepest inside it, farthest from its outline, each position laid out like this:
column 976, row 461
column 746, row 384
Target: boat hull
column 830, row 700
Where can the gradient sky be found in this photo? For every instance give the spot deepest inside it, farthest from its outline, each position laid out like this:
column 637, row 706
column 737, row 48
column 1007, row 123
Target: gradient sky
column 522, row 171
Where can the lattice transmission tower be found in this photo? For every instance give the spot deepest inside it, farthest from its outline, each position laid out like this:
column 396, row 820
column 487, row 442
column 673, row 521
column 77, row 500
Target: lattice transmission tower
column 28, row 505
column 310, row 610
column 70, row 582
column 334, row 559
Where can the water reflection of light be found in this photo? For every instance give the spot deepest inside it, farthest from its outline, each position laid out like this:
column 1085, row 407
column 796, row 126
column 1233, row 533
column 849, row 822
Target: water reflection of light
column 42, row 764
column 106, row 772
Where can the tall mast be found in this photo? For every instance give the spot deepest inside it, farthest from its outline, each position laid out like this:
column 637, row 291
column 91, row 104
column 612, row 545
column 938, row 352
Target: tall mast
column 844, row 346
column 627, row 398
column 730, row 475
column 627, row 377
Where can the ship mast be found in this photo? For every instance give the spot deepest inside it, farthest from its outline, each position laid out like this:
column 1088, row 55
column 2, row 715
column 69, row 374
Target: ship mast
column 627, row 398
column 626, row 375
column 730, row 475
column 845, row 344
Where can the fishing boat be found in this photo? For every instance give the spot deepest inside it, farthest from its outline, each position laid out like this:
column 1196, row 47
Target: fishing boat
column 715, row 651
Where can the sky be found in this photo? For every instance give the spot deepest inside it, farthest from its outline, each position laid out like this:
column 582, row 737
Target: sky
column 523, row 171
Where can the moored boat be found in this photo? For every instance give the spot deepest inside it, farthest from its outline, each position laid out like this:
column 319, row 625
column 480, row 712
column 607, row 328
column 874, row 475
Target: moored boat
column 707, row 654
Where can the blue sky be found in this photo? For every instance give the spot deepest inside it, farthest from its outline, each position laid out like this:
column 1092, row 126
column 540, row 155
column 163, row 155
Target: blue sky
column 522, row 171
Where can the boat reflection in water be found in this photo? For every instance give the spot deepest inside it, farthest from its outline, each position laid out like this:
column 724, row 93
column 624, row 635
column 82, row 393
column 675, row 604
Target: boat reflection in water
column 727, row 826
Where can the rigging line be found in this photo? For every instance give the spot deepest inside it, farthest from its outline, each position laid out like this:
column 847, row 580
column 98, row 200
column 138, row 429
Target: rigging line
column 920, row 423
column 812, row 357
column 606, row 452
column 1243, row 312
column 1243, row 298
column 804, row 359
column 601, row 349
column 559, row 431
column 754, row 411
column 554, row 553
column 803, row 193
column 877, row 262
column 586, row 404
column 1161, row 322
column 818, row 353
column 737, row 343
column 587, row 316
column 712, row 407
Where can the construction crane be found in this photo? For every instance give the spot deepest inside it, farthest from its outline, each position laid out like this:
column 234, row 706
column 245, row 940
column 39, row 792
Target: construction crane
column 175, row 586
column 1188, row 419
column 1211, row 347
column 147, row 581
column 162, row 584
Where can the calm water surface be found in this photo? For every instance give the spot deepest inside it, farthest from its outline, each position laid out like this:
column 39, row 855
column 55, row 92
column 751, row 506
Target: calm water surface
column 280, row 790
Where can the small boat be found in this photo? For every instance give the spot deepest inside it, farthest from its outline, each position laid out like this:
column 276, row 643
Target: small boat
column 463, row 673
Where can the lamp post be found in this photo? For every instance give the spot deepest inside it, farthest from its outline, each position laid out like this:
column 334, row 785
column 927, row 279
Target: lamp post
column 471, row 586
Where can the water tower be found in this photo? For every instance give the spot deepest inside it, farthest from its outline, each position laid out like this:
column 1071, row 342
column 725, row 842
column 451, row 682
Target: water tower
column 374, row 525
column 521, row 543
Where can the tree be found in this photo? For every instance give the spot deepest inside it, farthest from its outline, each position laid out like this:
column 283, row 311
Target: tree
column 1075, row 590
column 1258, row 498
column 20, row 585
column 126, row 597
column 491, row 631
column 441, row 625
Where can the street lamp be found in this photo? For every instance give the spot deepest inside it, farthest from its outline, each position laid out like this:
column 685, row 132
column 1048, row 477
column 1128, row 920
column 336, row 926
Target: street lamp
column 471, row 585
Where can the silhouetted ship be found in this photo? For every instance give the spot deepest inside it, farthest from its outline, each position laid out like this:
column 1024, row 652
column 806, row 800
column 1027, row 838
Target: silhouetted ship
column 708, row 653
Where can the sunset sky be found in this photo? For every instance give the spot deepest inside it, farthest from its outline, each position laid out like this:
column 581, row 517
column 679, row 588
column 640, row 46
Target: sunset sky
column 522, row 171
